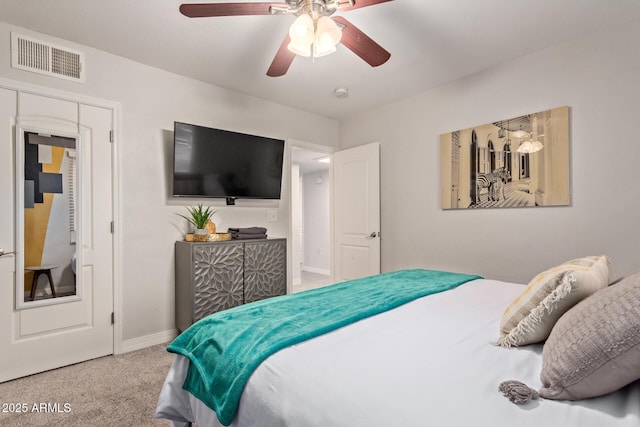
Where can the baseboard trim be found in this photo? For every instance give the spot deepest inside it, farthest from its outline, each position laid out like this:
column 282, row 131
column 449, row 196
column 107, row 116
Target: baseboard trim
column 317, row 270
column 147, row 341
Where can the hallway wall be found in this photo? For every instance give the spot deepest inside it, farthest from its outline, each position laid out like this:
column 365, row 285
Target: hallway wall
column 316, row 188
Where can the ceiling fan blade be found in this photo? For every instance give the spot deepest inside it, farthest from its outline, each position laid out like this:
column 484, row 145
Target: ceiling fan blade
column 362, row 3
column 361, row 44
column 204, row 10
column 282, row 61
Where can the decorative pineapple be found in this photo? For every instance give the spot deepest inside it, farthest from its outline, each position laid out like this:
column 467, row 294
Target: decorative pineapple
column 210, row 227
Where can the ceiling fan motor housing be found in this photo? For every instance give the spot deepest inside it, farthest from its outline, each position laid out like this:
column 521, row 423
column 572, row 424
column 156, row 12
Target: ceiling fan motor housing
column 315, row 8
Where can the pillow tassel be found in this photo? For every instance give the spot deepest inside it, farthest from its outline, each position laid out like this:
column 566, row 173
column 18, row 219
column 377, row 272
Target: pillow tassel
column 517, row 392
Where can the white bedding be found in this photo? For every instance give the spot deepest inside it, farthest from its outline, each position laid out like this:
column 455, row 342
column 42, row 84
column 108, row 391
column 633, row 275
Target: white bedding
column 427, row 363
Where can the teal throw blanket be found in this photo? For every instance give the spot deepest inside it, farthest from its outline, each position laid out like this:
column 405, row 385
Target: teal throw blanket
column 226, row 347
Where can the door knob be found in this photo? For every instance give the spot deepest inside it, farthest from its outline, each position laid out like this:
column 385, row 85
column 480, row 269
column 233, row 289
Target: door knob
column 373, row 235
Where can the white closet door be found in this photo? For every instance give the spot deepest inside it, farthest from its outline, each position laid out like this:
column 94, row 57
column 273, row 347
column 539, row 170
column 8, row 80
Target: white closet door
column 38, row 337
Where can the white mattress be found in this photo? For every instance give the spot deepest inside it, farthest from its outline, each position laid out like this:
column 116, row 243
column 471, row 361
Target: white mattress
column 426, row 363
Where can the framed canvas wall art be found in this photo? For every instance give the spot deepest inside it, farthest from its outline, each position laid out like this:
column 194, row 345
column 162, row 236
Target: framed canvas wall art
column 518, row 162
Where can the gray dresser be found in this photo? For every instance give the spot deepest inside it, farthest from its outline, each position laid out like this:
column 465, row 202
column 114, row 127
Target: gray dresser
column 214, row 276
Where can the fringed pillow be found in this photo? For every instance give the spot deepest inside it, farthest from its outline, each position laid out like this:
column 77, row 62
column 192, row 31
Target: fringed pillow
column 530, row 317
column 593, row 350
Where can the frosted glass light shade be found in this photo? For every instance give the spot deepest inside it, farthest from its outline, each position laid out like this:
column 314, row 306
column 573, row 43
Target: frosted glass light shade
column 302, row 28
column 322, row 36
column 298, row 48
column 301, row 34
column 323, row 49
column 328, row 35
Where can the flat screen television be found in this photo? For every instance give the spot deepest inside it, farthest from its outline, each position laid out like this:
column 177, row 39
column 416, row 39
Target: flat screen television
column 219, row 163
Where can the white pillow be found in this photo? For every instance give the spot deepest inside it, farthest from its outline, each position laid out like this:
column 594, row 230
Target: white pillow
column 531, row 316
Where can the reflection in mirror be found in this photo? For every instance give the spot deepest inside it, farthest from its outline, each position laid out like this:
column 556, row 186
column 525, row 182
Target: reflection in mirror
column 49, row 216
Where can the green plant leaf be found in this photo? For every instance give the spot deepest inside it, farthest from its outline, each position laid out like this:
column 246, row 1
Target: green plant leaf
column 198, row 216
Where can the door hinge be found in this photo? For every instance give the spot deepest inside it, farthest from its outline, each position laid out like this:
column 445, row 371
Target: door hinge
column 110, row 136
column 113, row 227
column 113, row 318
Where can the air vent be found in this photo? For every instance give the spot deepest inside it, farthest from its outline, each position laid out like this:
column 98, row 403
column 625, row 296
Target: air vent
column 42, row 57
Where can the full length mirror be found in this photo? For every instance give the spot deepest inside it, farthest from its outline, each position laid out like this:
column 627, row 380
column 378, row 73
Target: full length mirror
column 47, row 219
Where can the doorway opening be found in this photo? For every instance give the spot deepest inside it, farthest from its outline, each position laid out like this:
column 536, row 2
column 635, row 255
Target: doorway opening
column 310, row 219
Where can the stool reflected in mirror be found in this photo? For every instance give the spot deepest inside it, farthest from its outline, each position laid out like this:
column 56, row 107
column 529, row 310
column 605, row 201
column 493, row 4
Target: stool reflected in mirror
column 38, row 270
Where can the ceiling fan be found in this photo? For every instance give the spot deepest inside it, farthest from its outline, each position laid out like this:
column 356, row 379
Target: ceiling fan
column 314, row 32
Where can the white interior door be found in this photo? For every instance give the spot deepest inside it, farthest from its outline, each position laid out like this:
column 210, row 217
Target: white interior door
column 356, row 187
column 44, row 334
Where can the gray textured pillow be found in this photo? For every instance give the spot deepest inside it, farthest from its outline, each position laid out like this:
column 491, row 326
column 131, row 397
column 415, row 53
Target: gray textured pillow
column 594, row 348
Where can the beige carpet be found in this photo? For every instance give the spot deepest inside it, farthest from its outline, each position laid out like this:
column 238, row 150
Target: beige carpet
column 110, row 391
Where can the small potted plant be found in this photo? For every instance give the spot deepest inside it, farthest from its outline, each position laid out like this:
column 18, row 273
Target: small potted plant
column 199, row 217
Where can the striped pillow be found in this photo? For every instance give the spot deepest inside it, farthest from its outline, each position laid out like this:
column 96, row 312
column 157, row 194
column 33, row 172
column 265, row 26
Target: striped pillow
column 594, row 348
column 530, row 317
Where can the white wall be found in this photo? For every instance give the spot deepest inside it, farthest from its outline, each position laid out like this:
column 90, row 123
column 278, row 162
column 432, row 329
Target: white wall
column 317, row 186
column 296, row 223
column 151, row 101
column 599, row 79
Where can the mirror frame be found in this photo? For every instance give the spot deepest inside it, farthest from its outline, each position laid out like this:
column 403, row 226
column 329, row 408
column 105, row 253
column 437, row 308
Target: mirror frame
column 21, row 304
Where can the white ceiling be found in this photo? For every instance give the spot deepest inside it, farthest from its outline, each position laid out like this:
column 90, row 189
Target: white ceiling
column 431, row 42
column 308, row 160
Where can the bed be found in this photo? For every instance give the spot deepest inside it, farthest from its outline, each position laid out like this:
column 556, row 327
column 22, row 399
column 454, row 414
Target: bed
column 431, row 361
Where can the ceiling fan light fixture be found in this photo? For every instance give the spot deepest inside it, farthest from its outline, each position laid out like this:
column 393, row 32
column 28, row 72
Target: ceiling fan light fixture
column 323, row 49
column 302, row 27
column 302, row 30
column 328, row 35
column 304, row 37
column 299, row 48
column 321, row 36
column 327, row 31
